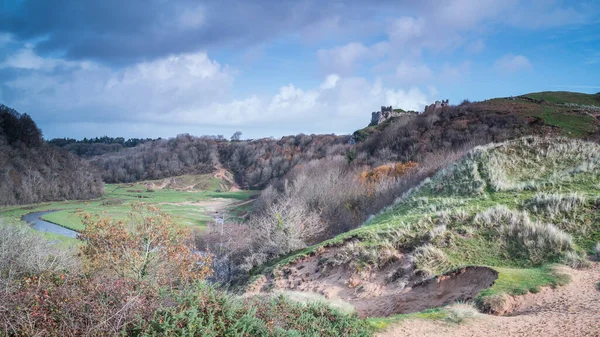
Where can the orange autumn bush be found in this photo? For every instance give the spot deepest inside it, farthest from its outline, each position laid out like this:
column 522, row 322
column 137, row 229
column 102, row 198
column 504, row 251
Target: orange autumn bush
column 148, row 246
column 394, row 170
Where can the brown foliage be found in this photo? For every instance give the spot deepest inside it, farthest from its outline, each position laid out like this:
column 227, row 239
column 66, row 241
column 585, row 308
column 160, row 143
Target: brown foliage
column 387, row 171
column 56, row 304
column 148, row 246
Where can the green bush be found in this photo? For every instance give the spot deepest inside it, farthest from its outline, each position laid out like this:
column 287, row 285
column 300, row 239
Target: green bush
column 208, row 312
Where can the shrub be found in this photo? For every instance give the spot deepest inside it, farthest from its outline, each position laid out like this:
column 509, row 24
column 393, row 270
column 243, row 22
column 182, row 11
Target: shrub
column 112, row 202
column 206, row 312
column 394, row 170
column 148, row 246
column 24, row 252
column 597, row 251
column 71, row 305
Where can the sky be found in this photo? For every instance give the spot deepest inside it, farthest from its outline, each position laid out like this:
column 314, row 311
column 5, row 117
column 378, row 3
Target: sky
column 158, row 68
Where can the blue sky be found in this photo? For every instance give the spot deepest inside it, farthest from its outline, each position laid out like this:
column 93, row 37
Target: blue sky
column 271, row 68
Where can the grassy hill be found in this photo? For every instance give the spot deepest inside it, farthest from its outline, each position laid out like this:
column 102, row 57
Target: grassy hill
column 518, row 209
column 566, row 97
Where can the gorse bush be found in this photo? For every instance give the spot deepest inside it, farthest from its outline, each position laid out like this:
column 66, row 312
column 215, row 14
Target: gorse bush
column 206, row 312
column 61, row 304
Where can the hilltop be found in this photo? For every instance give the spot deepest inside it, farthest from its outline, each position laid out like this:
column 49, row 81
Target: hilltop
column 451, row 127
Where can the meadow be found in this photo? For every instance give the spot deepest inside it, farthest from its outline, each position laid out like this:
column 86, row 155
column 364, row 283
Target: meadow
column 191, row 199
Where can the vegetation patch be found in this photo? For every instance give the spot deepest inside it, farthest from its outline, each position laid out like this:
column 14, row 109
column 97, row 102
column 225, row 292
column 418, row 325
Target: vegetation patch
column 453, row 314
column 515, row 282
column 502, row 205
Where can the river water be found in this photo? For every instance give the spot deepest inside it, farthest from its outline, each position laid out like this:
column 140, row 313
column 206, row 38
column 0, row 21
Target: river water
column 45, row 226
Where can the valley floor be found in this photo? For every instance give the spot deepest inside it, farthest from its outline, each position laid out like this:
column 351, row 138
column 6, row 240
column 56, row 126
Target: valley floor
column 571, row 310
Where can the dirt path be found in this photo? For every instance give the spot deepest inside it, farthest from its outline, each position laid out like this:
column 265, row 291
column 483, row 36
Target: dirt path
column 210, row 205
column 572, row 310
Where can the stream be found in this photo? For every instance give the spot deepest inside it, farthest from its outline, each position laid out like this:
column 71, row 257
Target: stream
column 34, row 219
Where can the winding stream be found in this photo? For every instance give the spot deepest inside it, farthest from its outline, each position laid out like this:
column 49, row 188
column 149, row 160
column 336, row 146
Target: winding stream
column 44, row 226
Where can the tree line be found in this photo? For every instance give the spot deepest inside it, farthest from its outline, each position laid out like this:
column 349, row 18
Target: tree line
column 90, row 147
column 34, row 171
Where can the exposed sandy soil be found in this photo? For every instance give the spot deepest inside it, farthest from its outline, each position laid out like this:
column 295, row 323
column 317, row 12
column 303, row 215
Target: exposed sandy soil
column 221, row 173
column 572, row 310
column 375, row 293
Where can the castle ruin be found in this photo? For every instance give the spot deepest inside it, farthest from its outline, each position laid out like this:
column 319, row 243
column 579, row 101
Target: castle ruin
column 386, row 113
column 436, row 107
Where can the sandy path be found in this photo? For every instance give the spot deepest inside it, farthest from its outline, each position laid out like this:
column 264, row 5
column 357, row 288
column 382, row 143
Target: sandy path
column 572, row 310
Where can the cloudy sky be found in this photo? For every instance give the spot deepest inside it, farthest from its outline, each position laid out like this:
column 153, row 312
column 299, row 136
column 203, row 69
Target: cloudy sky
column 270, row 68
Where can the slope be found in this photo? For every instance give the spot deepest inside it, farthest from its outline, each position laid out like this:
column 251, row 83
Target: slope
column 505, row 214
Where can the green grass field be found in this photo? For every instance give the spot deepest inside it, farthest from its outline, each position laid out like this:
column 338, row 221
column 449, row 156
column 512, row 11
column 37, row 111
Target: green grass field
column 191, row 206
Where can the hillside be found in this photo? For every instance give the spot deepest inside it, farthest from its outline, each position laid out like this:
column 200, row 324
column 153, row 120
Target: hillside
column 494, row 224
column 34, row 171
column 413, row 137
column 567, row 97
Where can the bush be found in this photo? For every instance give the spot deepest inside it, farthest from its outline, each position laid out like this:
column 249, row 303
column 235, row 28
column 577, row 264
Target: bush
column 41, row 294
column 24, row 252
column 206, row 312
column 149, row 246
column 112, row 202
column 75, row 305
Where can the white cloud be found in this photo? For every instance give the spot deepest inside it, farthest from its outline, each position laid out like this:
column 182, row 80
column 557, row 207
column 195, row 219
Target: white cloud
column 330, row 81
column 445, row 26
column 343, row 59
column 510, row 63
column 192, row 93
column 26, row 58
column 413, row 73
